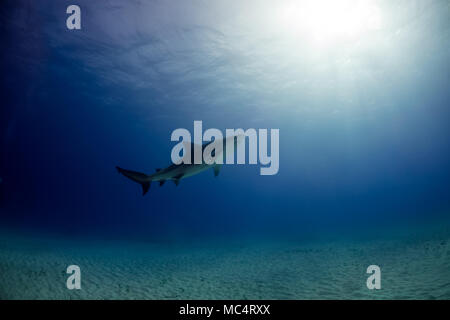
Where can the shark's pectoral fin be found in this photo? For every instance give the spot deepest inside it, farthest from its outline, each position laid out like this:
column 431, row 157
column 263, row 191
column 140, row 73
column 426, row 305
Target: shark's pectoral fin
column 161, row 182
column 217, row 169
column 177, row 179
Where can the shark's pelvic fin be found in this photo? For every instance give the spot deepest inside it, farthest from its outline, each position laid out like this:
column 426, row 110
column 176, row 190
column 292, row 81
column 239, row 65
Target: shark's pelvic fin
column 158, row 169
column 177, row 182
column 217, row 169
column 138, row 177
column 161, row 182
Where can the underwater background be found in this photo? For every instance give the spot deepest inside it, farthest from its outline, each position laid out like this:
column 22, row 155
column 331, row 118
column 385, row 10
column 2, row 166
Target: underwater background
column 364, row 174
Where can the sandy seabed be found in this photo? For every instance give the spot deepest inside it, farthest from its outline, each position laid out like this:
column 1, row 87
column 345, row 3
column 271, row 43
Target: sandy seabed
column 412, row 267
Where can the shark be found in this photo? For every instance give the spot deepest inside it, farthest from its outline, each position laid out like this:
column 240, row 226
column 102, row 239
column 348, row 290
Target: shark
column 177, row 172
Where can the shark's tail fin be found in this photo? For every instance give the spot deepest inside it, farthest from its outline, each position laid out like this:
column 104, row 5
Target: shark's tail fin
column 138, row 177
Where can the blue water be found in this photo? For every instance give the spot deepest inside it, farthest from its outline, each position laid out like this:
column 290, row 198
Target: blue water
column 364, row 135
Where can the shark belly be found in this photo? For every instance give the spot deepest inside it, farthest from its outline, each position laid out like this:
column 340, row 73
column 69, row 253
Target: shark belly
column 180, row 171
column 195, row 169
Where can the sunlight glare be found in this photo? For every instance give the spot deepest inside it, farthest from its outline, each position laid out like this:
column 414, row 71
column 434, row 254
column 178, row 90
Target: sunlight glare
column 330, row 20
